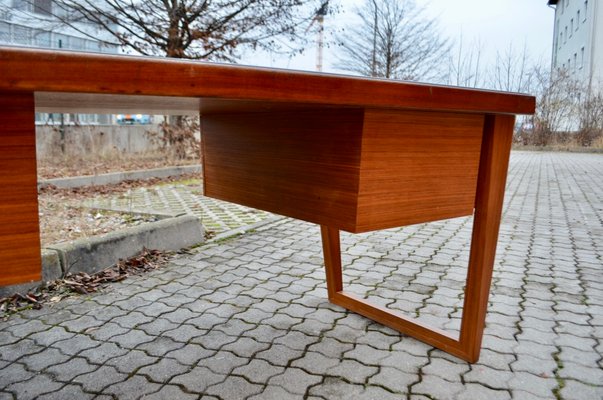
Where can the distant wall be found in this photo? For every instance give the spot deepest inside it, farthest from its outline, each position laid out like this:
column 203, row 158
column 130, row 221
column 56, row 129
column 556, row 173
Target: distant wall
column 92, row 139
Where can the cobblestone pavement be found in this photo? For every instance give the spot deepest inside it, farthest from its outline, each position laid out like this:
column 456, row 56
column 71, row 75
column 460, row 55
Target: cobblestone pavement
column 183, row 198
column 248, row 317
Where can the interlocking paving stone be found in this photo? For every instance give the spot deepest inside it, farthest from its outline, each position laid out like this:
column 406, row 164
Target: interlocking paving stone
column 249, row 316
column 315, row 363
column 163, row 371
column 472, row 391
column 393, row 379
column 100, row 378
column 235, row 387
column 68, row 370
column 295, row 380
column 19, row 349
column 337, row 388
column 537, row 385
column 198, row 379
column 272, row 392
column 366, row 354
column 34, row 387
column 575, row 390
column 44, row 359
column 134, row 387
column 67, row 392
column 99, row 355
column 13, row 373
column 160, row 346
column 170, row 392
column 353, row 371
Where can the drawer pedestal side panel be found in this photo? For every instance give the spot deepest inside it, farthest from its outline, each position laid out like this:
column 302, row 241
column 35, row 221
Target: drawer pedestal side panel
column 417, row 166
column 300, row 163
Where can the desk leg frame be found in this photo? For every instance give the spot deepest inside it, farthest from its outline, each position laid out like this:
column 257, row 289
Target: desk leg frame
column 494, row 161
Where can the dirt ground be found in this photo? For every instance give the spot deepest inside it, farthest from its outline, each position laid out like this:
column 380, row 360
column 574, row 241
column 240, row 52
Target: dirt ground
column 63, row 219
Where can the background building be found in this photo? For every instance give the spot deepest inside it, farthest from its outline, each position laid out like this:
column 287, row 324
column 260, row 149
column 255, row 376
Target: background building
column 578, row 39
column 36, row 23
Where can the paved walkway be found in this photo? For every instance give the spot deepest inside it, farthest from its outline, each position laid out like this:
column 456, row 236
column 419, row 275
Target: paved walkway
column 184, row 198
column 247, row 317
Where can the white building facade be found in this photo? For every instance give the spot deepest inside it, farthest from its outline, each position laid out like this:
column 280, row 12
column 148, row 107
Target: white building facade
column 578, row 39
column 35, row 23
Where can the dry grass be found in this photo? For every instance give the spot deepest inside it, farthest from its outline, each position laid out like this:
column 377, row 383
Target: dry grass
column 565, row 144
column 93, row 164
column 62, row 217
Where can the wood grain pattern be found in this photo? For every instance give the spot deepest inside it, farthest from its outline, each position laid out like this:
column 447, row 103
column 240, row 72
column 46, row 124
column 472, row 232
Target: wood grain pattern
column 54, row 71
column 19, row 226
column 497, row 131
column 332, row 253
column 496, row 148
column 347, row 153
column 394, row 319
column 301, row 164
column 417, row 167
column 407, row 167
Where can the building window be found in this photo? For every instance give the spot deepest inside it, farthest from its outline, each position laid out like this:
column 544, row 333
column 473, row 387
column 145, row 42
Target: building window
column 565, row 41
column 577, row 19
column 585, row 9
column 61, row 41
column 42, row 38
column 575, row 60
column 43, row 7
column 22, row 5
column 571, row 26
column 582, row 57
column 21, row 35
column 4, row 32
column 77, row 43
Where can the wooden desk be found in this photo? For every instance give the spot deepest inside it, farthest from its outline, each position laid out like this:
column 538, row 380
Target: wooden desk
column 346, row 153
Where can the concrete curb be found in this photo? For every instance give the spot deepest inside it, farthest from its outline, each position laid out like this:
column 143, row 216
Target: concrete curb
column 117, row 177
column 98, row 252
column 95, row 253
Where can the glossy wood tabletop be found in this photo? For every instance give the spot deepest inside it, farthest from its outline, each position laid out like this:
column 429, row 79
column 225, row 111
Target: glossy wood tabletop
column 68, row 72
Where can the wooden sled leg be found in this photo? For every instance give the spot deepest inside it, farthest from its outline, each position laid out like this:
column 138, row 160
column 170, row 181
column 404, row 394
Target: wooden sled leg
column 494, row 161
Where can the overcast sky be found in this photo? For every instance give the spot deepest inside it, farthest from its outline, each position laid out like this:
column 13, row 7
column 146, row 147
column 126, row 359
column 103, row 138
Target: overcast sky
column 495, row 23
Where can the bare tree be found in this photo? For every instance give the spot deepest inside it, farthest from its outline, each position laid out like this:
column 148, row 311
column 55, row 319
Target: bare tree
column 196, row 29
column 465, row 65
column 511, row 71
column 591, row 115
column 557, row 104
column 392, row 39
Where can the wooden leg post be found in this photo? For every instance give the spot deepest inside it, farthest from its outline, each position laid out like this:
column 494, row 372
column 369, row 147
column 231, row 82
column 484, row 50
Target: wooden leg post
column 19, row 224
column 494, row 162
column 332, row 253
column 494, row 159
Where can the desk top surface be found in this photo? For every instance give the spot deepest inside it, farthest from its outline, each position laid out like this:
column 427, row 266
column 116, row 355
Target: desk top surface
column 87, row 82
